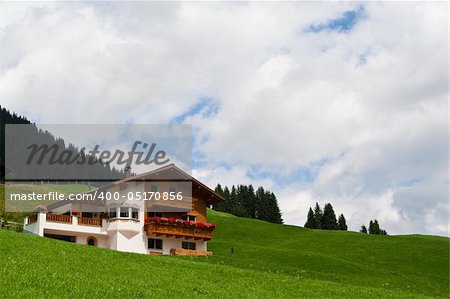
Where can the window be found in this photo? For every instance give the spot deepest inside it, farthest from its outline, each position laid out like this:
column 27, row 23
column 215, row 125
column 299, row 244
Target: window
column 154, row 188
column 154, row 214
column 188, row 217
column 173, row 189
column 113, row 213
column 87, row 215
column 124, row 213
column 188, row 245
column 134, row 213
column 154, row 243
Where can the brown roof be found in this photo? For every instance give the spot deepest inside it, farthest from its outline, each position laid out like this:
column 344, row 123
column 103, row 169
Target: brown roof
column 209, row 195
column 212, row 196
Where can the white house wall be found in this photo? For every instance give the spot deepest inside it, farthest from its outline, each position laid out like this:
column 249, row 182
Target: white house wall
column 80, row 238
column 172, row 242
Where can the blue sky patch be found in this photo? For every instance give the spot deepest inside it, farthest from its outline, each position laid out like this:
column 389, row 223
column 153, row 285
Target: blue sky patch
column 206, row 106
column 342, row 24
column 411, row 182
column 281, row 179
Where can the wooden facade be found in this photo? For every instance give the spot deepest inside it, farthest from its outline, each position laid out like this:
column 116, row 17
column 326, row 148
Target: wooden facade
column 178, row 231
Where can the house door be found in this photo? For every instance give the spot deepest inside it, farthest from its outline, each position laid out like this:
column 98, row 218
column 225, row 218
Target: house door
column 91, row 241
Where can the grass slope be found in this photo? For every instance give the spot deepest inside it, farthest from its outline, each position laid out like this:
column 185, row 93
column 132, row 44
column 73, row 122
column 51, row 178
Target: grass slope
column 415, row 263
column 268, row 261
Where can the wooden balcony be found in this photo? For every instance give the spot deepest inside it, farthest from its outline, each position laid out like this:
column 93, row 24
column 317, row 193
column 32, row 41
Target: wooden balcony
column 90, row 221
column 178, row 231
column 68, row 219
column 59, row 218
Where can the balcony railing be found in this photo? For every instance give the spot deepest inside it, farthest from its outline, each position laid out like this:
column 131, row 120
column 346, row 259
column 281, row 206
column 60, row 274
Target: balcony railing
column 90, row 221
column 59, row 218
column 178, row 231
column 32, row 219
column 68, row 219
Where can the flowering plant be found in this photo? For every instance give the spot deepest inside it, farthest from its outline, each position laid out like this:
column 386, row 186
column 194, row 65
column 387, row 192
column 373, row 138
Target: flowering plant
column 76, row 213
column 205, row 225
column 176, row 221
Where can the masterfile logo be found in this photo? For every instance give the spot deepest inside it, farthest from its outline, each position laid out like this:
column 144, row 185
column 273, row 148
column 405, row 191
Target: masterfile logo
column 93, row 152
column 120, row 163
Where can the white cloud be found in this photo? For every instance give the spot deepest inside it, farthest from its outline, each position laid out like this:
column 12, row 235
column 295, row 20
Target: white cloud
column 372, row 102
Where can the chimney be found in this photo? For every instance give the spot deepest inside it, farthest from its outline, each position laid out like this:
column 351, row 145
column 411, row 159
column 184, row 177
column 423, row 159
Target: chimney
column 127, row 171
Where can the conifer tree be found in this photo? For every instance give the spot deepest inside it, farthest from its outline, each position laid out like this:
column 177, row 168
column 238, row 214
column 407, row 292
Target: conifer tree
column 342, row 223
column 274, row 210
column 317, row 216
column 374, row 227
column 221, row 206
column 249, row 201
column 226, row 193
column 232, row 208
column 363, row 229
column 219, row 189
column 329, row 218
column 310, row 221
column 260, row 204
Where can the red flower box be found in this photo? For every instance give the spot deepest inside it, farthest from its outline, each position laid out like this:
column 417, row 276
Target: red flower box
column 176, row 221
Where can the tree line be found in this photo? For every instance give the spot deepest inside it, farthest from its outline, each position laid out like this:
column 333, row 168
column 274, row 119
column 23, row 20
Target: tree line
column 374, row 228
column 33, row 135
column 325, row 219
column 244, row 201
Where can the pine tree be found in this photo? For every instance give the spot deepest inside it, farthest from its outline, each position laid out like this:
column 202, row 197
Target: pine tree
column 374, row 227
column 310, row 222
column 250, row 201
column 260, row 204
column 232, row 207
column 219, row 189
column 329, row 218
column 363, row 229
column 221, row 206
column 342, row 223
column 274, row 210
column 317, row 216
column 240, row 198
column 226, row 193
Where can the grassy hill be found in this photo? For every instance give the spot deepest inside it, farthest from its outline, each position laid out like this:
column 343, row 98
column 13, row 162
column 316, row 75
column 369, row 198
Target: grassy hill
column 269, row 260
column 415, row 263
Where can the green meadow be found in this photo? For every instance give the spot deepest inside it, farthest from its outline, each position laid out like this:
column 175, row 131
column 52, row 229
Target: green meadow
column 252, row 259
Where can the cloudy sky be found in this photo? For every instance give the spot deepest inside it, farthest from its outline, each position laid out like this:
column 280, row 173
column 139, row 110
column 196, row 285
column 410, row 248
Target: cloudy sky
column 343, row 103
